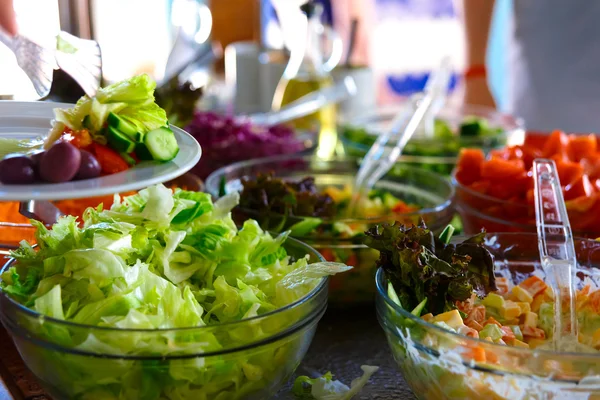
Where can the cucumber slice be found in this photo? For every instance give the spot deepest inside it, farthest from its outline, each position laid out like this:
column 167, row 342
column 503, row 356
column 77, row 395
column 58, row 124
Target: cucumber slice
column 119, row 141
column 125, row 127
column 141, row 151
column 161, row 143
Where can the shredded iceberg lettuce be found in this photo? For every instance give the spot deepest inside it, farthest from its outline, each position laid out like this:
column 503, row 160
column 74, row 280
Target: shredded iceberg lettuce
column 159, row 260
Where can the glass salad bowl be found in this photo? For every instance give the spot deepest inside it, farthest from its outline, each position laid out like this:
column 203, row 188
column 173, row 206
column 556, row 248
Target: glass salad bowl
column 456, row 127
column 246, row 359
column 340, row 238
column 440, row 364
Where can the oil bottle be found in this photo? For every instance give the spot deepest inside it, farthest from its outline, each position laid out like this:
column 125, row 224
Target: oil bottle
column 307, row 71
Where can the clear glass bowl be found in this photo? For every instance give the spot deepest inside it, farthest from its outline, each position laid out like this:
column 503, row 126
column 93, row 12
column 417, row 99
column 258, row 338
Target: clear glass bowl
column 437, row 364
column 431, row 191
column 257, row 355
column 438, row 154
column 480, row 211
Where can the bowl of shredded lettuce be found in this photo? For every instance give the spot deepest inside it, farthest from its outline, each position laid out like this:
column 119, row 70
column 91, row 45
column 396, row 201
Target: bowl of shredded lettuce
column 162, row 297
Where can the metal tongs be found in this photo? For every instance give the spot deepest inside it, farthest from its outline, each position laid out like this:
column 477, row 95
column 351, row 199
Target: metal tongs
column 306, row 104
column 557, row 250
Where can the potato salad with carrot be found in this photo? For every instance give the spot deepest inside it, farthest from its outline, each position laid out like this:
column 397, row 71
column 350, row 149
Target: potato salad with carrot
column 468, row 324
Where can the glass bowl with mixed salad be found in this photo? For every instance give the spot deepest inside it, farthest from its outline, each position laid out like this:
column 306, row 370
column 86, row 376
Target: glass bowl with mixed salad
column 163, row 297
column 473, row 318
column 495, row 191
column 310, row 197
column 226, row 140
column 454, row 128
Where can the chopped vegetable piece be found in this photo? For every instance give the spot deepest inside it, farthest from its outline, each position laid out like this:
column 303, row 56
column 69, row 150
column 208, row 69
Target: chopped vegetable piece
column 110, row 161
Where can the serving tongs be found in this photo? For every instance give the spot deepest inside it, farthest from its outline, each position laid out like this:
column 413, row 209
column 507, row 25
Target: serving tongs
column 306, row 104
column 556, row 246
column 79, row 58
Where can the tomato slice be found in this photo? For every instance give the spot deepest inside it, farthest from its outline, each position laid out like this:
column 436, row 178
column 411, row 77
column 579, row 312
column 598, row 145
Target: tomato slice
column 110, row 161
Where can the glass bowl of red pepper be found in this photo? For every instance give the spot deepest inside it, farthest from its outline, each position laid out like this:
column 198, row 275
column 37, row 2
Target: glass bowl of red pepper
column 310, row 197
column 496, row 192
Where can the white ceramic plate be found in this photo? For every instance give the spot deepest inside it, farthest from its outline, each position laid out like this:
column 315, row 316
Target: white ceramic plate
column 32, row 119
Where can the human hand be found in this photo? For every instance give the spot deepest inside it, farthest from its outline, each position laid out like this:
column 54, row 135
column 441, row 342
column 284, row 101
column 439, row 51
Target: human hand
column 477, row 92
column 8, row 18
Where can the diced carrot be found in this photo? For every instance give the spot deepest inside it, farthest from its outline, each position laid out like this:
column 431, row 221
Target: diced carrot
column 556, row 144
column 467, row 305
column 533, row 285
column 497, row 169
column 581, row 146
column 476, row 354
column 474, row 325
column 491, row 357
column 477, row 314
column 507, row 333
column 401, row 208
column 502, row 285
column 532, row 332
column 492, row 320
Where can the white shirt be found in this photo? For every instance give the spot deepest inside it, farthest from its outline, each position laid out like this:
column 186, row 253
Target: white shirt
column 555, row 65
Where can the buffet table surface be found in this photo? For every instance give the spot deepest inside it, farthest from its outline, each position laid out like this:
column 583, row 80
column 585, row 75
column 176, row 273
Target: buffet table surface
column 345, row 339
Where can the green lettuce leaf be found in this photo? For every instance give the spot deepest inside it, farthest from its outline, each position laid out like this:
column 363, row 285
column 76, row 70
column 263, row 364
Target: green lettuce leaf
column 326, row 388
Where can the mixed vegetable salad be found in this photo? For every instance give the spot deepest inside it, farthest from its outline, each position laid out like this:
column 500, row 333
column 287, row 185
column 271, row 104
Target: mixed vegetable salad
column 455, row 287
column 506, row 175
column 437, row 153
column 226, row 140
column 306, row 209
column 319, row 217
column 159, row 261
column 105, row 134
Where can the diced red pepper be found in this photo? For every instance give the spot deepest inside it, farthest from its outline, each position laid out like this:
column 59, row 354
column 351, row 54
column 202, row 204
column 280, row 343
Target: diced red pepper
column 497, row 169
